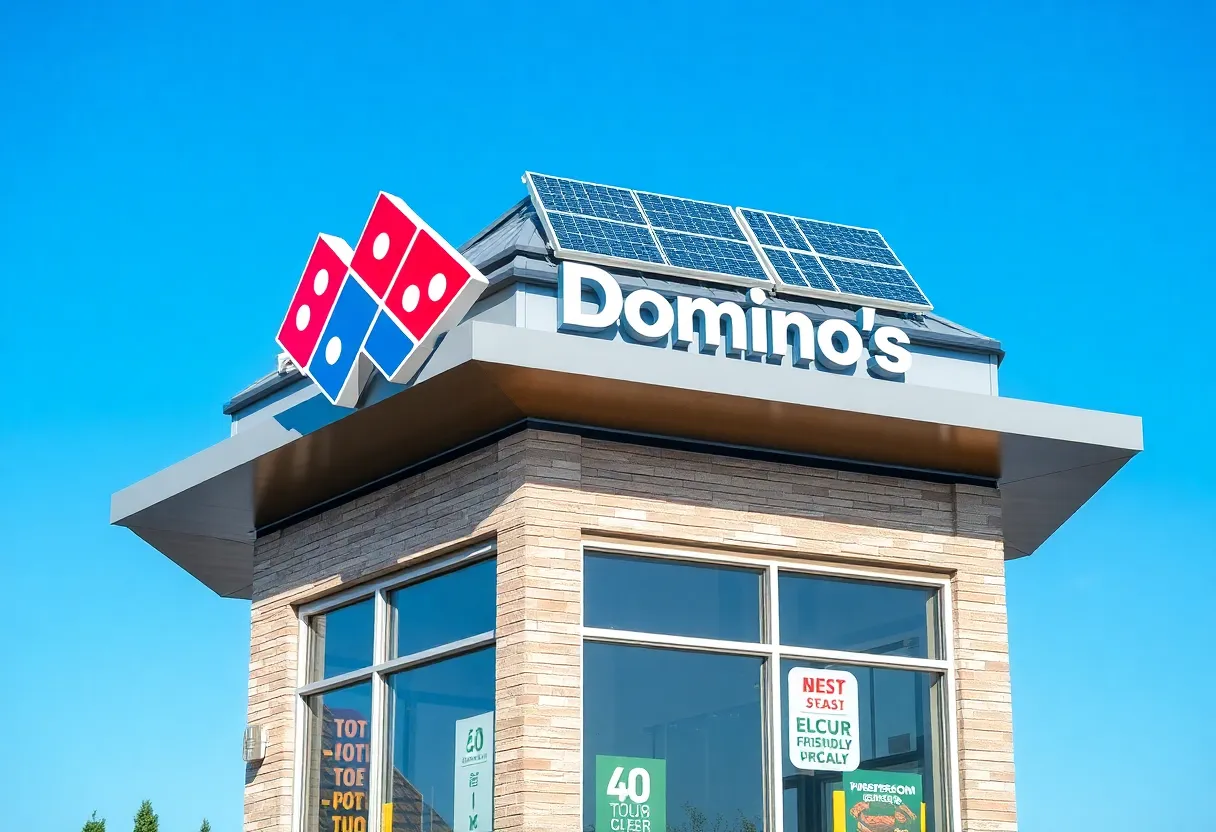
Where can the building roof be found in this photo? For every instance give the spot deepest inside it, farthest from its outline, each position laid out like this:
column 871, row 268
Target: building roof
column 293, row 454
column 513, row 248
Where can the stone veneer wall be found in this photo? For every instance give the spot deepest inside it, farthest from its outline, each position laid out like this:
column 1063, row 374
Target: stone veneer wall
column 541, row 494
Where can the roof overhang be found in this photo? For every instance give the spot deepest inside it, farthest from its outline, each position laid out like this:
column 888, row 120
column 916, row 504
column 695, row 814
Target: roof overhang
column 484, row 379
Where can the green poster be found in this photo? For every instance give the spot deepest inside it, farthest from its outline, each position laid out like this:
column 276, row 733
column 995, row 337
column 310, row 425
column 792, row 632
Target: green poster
column 883, row 801
column 630, row 794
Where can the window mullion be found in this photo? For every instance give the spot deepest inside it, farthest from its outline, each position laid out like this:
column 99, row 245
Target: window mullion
column 379, row 726
column 300, row 756
column 776, row 780
column 710, row 645
column 879, row 660
column 945, row 617
column 335, row 682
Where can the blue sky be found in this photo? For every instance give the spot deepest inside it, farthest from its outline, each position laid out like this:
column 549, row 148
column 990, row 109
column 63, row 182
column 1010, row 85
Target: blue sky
column 1045, row 169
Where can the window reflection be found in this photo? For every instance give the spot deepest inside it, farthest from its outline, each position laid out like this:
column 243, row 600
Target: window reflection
column 425, row 704
column 899, row 731
column 339, row 735
column 674, row 597
column 701, row 712
column 445, row 608
column 858, row 616
column 342, row 639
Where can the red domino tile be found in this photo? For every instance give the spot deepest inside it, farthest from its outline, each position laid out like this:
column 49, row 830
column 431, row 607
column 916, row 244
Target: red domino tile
column 314, row 297
column 383, row 244
column 428, row 282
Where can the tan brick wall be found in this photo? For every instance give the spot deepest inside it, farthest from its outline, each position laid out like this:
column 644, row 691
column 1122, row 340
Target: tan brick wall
column 541, row 494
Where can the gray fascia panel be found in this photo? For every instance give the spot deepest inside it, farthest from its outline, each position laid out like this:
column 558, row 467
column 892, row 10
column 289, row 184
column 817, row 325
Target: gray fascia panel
column 1053, row 458
column 672, row 368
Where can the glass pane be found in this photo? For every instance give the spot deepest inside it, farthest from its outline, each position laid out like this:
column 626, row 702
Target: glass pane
column 435, row 713
column 446, row 608
column 901, row 730
column 342, row 640
column 665, row 596
column 339, row 738
column 858, row 616
column 701, row 712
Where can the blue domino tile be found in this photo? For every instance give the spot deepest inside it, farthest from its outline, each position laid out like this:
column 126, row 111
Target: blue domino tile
column 387, row 344
column 348, row 324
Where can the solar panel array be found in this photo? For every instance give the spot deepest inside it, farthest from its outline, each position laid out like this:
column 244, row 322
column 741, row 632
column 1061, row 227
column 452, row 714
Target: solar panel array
column 832, row 258
column 704, row 239
column 641, row 228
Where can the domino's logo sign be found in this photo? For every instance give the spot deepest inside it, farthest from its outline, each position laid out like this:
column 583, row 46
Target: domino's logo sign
column 382, row 305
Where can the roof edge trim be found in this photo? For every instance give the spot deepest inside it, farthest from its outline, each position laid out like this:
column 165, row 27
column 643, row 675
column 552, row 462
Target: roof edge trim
column 648, row 440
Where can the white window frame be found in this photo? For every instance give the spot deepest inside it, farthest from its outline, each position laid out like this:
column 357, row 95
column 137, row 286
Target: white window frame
column 378, row 671
column 771, row 649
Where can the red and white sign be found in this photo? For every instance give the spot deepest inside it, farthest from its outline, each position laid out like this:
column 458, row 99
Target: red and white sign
column 384, row 303
column 825, row 730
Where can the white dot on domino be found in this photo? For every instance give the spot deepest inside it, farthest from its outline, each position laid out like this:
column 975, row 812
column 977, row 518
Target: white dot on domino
column 410, row 297
column 321, row 282
column 380, row 246
column 302, row 316
column 439, row 285
column 333, row 350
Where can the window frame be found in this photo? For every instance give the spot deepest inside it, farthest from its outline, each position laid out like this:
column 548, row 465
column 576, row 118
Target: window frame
column 770, row 648
column 377, row 673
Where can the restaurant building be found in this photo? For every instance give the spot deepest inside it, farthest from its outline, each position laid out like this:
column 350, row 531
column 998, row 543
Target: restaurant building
column 689, row 518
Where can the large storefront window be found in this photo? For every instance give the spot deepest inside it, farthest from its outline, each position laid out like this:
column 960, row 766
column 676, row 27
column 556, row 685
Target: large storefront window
column 700, row 712
column 899, row 731
column 689, row 670
column 339, row 725
column 342, row 640
column 644, row 596
column 399, row 703
column 426, row 704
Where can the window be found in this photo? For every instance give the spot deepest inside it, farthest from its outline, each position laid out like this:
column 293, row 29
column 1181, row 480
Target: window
column 858, row 616
column 426, row 703
column 341, row 640
column 700, row 712
column 688, row 671
column 448, row 608
column 679, row 599
column 339, row 744
column 398, row 704
column 899, row 732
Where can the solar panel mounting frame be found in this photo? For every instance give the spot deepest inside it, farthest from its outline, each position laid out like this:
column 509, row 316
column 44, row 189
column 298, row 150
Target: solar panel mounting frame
column 780, row 285
column 578, row 255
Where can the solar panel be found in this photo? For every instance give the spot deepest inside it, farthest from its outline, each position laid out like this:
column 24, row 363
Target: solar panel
column 868, row 280
column 788, row 231
column 663, row 234
column 611, row 239
column 709, row 241
column 710, row 254
column 833, row 259
column 786, row 269
column 574, row 197
column 760, row 226
column 814, row 273
column 692, row 217
column 843, row 241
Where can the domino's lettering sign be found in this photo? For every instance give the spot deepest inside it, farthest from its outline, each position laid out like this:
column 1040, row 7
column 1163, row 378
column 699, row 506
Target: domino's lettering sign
column 383, row 304
column 647, row 317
